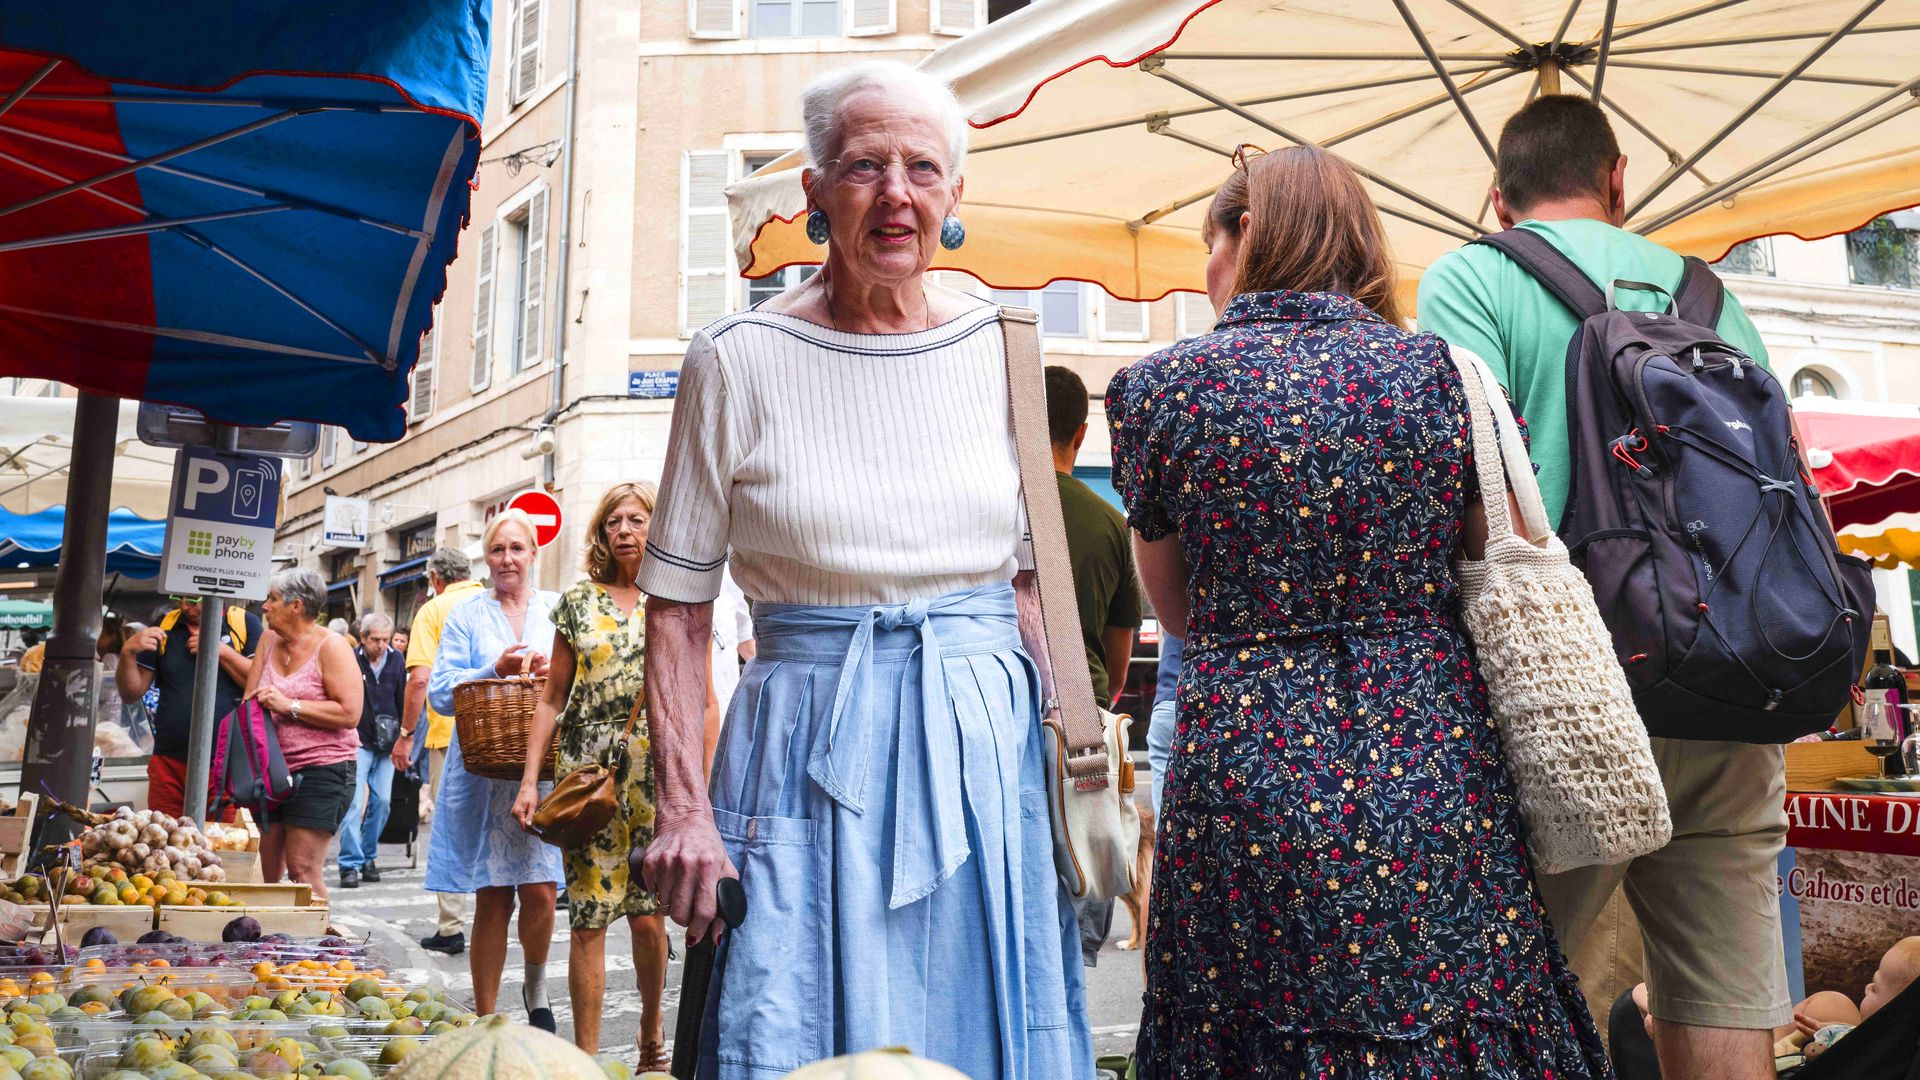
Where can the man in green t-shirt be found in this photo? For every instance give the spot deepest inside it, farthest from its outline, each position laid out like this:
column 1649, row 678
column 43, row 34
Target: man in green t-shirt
column 1104, row 586
column 1707, row 902
column 1098, row 545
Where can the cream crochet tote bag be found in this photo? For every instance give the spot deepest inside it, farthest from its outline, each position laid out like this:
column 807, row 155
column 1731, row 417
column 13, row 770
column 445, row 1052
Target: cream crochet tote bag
column 1578, row 752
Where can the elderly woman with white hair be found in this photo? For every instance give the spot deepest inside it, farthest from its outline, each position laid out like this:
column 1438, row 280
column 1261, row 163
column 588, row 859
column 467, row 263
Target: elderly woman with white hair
column 879, row 787
column 477, row 846
column 306, row 679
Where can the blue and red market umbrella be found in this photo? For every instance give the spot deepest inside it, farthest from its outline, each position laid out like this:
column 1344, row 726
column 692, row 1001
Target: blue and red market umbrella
column 247, row 209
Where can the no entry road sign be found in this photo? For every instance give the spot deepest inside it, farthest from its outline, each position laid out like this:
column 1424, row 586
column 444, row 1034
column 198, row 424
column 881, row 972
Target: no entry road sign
column 545, row 512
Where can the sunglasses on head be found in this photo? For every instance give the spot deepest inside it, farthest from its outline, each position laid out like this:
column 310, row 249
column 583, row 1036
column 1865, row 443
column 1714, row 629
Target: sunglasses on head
column 1244, row 154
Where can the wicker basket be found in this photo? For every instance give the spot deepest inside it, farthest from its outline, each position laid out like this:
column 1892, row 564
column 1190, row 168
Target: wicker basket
column 493, row 717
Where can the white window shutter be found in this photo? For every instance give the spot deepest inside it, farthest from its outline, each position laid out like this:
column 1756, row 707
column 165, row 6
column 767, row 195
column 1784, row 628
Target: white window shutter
column 420, row 406
column 866, row 18
column 483, row 309
column 533, row 343
column 526, row 55
column 1195, row 314
column 956, row 17
column 1122, row 320
column 713, row 18
column 705, row 243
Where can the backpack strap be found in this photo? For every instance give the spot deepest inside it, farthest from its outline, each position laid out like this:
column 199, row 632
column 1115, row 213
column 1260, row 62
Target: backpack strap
column 1537, row 256
column 1699, row 297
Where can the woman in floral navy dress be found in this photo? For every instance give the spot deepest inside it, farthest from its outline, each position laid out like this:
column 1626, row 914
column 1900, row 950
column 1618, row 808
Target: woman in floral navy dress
column 1341, row 889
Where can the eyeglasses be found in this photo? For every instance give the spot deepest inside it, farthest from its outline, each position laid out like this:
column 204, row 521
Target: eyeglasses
column 184, row 599
column 921, row 172
column 630, row 523
column 1244, row 154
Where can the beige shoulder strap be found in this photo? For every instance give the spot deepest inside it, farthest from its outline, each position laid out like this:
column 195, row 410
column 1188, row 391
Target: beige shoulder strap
column 1078, row 715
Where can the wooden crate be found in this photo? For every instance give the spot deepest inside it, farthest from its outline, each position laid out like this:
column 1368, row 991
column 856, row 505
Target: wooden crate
column 1814, row 766
column 244, row 866
column 279, row 894
column 16, row 832
column 205, row 923
column 127, row 922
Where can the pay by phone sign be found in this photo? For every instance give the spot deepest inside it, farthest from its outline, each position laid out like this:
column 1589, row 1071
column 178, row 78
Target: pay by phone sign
column 220, row 525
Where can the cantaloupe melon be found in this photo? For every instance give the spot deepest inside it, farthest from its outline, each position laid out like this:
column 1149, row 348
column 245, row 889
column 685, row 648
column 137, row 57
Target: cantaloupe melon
column 890, row 1064
column 499, row 1049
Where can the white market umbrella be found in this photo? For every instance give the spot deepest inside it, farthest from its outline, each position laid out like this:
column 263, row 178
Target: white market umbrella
column 36, row 440
column 1103, row 126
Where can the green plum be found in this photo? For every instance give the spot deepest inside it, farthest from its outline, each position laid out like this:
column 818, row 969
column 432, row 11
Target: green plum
column 398, row 1050
column 615, row 1068
column 349, row 1068
column 47, row 1068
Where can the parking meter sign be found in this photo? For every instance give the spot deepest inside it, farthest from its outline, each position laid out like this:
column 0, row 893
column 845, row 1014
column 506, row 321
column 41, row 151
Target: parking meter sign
column 220, row 525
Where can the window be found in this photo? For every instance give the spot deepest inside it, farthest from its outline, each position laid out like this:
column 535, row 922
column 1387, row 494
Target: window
column 329, row 445
column 1752, row 257
column 1061, row 307
column 754, row 291
column 526, row 49
column 956, row 17
column 420, row 403
column 1194, row 315
column 1883, row 252
column 306, row 466
column 358, row 447
column 527, row 244
column 705, row 250
column 483, row 309
column 1812, row 382
column 794, row 18
column 1000, row 9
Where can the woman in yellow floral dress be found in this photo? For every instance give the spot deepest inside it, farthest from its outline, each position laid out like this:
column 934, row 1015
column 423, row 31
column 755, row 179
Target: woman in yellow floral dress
column 593, row 679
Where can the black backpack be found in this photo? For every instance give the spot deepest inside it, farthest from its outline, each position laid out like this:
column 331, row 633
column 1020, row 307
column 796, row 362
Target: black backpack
column 1715, row 567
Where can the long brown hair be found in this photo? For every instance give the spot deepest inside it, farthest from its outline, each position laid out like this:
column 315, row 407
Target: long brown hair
column 1311, row 228
column 599, row 559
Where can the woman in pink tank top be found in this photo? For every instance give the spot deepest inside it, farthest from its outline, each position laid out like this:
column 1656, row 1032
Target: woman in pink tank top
column 306, row 677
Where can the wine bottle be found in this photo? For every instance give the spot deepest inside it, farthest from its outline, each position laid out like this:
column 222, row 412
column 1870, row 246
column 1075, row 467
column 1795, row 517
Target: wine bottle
column 1883, row 717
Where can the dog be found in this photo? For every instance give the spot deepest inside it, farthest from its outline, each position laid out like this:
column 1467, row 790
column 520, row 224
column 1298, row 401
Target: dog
column 1136, row 900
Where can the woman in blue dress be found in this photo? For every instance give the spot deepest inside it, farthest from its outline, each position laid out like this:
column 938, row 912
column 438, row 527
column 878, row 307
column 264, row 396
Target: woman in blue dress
column 477, row 846
column 879, row 784
column 1340, row 889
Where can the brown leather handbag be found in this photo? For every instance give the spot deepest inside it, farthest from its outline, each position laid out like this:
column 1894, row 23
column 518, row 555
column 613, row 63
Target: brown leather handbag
column 584, row 801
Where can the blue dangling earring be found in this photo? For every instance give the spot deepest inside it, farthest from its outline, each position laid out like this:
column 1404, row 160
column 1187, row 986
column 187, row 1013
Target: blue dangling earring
column 952, row 233
column 818, row 230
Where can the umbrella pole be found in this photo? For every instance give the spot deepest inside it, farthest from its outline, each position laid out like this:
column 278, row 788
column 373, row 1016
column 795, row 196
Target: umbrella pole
column 206, row 670
column 59, row 748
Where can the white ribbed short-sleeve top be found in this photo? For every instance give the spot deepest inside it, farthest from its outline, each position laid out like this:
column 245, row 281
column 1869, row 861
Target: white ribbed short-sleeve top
column 838, row 468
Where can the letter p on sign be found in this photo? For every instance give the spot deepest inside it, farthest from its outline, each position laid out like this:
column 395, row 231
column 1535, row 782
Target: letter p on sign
column 204, row 477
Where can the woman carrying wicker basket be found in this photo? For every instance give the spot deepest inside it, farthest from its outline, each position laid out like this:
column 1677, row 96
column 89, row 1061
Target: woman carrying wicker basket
column 477, row 846
column 594, row 680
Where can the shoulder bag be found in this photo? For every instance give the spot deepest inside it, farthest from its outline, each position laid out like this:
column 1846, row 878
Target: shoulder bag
column 584, row 801
column 1096, row 823
column 1582, row 767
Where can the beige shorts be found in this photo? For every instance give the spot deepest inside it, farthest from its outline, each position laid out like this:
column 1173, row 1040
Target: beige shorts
column 1709, row 902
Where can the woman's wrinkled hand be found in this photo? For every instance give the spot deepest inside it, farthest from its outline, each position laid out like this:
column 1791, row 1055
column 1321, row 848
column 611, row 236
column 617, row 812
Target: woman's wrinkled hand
column 537, row 664
column 525, row 803
column 273, row 699
column 682, row 867
column 513, row 660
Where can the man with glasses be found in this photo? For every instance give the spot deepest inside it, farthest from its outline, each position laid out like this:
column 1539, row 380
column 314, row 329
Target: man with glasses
column 162, row 656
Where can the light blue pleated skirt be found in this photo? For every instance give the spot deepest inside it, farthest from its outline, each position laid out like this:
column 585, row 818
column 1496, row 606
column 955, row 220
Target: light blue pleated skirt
column 880, row 788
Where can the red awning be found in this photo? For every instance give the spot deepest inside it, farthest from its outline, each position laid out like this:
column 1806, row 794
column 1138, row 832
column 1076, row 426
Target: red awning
column 1866, row 462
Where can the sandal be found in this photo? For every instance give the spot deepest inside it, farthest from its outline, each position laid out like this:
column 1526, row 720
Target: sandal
column 653, row 1055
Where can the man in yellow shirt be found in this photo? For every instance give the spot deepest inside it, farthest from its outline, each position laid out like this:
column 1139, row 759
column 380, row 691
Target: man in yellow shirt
column 448, row 573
